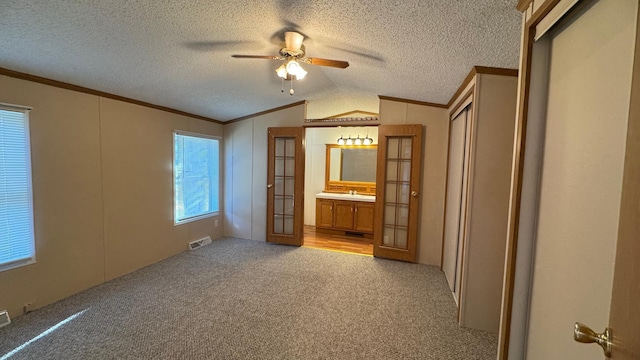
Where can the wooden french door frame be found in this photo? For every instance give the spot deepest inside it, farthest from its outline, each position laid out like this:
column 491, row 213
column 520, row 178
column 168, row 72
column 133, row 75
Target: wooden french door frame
column 397, row 193
column 626, row 292
column 285, row 185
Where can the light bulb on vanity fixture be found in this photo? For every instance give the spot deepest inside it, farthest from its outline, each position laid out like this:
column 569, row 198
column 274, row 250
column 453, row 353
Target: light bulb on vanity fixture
column 341, row 140
column 349, row 140
column 367, row 140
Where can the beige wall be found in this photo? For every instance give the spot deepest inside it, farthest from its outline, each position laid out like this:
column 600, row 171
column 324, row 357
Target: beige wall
column 488, row 204
column 434, row 167
column 102, row 188
column 245, row 162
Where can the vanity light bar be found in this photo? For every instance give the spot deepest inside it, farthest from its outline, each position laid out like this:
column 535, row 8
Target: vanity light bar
column 357, row 141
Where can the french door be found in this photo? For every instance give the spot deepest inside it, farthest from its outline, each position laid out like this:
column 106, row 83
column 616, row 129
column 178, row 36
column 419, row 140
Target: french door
column 397, row 192
column 285, row 185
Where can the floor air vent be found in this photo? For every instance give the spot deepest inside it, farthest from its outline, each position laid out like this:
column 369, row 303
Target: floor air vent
column 199, row 243
column 4, row 318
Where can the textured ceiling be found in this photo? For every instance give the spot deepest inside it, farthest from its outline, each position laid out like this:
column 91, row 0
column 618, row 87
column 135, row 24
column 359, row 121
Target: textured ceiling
column 176, row 53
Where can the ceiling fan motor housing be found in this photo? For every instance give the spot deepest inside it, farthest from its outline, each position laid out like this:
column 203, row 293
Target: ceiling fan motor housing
column 286, row 52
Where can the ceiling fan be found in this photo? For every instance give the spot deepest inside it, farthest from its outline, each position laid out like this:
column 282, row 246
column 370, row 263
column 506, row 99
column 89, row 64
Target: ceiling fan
column 292, row 53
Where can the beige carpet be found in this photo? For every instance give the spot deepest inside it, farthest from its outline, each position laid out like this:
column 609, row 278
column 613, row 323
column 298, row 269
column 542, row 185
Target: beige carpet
column 242, row 299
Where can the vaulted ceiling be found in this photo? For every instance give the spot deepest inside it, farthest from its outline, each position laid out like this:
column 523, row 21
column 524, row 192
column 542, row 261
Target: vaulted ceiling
column 177, row 53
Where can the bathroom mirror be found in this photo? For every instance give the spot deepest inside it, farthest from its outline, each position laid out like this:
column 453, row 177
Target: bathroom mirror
column 351, row 168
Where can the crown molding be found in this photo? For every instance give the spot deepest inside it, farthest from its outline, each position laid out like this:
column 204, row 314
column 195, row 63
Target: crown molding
column 82, row 89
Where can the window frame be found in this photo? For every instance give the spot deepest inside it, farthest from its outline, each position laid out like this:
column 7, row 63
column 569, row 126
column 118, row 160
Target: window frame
column 173, row 174
column 27, row 143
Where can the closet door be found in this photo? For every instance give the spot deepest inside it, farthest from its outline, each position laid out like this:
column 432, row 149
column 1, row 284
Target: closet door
column 456, row 201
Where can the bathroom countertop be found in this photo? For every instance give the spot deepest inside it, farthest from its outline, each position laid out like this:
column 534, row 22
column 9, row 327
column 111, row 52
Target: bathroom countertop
column 337, row 196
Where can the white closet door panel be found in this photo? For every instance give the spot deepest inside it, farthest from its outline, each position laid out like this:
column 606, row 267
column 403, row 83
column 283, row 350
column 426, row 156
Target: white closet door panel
column 454, row 195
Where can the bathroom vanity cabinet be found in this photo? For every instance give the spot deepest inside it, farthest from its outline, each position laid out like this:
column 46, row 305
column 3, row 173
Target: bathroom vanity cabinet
column 344, row 216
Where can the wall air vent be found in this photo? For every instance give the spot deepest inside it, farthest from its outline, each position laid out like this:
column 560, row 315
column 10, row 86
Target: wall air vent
column 4, row 318
column 199, row 243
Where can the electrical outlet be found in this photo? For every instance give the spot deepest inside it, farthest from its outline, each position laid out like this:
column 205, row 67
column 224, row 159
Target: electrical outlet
column 215, row 223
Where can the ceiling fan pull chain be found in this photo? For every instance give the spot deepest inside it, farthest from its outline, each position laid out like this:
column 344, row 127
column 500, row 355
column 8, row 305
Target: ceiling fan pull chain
column 282, row 85
column 291, row 90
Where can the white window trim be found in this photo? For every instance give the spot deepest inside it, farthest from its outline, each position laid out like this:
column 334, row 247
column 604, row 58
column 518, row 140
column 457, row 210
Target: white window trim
column 173, row 175
column 32, row 260
column 18, row 263
column 195, row 218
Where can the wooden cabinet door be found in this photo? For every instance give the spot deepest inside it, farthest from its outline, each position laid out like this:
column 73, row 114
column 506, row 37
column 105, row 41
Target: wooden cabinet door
column 324, row 213
column 363, row 217
column 343, row 215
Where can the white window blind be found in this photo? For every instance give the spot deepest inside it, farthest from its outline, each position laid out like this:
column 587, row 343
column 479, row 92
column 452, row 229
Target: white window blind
column 16, row 207
column 196, row 177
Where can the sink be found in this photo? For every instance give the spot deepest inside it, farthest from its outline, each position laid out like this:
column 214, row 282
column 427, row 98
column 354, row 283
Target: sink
column 355, row 197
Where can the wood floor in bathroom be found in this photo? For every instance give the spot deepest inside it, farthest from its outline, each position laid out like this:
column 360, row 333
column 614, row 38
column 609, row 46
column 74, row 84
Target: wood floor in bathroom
column 340, row 243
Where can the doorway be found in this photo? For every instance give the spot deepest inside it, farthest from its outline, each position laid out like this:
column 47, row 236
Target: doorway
column 391, row 215
column 317, row 141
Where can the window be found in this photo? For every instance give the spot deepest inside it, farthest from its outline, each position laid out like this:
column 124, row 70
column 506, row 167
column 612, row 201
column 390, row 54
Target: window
column 16, row 204
column 195, row 176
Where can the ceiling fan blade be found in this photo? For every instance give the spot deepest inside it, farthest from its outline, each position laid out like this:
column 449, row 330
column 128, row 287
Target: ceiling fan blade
column 206, row 46
column 327, row 62
column 359, row 52
column 268, row 57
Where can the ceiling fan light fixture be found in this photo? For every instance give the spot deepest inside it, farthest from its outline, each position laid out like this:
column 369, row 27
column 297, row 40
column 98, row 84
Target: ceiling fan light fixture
column 282, row 71
column 292, row 66
column 293, row 53
column 301, row 73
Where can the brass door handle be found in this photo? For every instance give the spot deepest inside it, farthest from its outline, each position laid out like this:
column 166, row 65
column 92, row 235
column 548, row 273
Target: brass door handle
column 582, row 333
column 414, row 193
column 269, row 186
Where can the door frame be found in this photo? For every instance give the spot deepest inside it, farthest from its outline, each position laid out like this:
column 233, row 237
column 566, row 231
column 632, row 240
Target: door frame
column 333, row 125
column 517, row 168
column 551, row 11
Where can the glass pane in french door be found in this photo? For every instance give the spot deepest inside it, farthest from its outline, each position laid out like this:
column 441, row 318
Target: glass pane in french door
column 397, row 192
column 283, row 194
